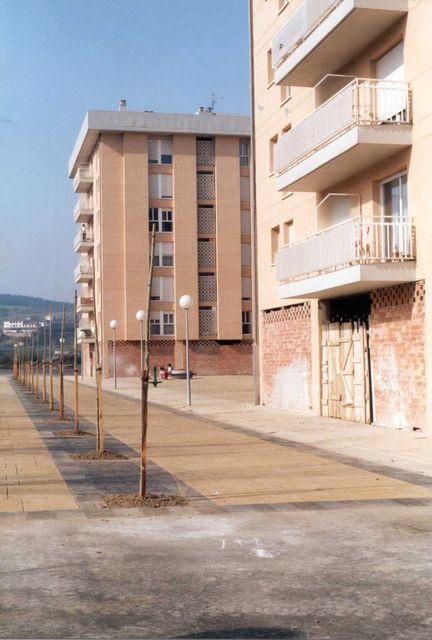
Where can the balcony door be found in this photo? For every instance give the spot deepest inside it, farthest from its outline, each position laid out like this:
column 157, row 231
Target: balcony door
column 391, row 93
column 394, row 207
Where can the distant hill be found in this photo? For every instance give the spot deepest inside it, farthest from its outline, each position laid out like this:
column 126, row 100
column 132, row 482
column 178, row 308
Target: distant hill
column 34, row 304
column 16, row 307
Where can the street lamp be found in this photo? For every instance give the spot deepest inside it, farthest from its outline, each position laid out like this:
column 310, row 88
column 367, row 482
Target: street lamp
column 80, row 336
column 186, row 303
column 113, row 325
column 140, row 316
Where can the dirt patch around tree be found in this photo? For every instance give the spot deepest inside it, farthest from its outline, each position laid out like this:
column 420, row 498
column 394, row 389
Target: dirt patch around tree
column 72, row 434
column 151, row 500
column 99, row 455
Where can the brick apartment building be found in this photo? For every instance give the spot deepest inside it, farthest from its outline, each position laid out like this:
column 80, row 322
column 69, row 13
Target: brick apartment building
column 343, row 124
column 187, row 174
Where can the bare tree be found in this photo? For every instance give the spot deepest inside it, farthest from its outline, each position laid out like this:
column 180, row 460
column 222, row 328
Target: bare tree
column 75, row 338
column 61, row 393
column 100, row 436
column 145, row 374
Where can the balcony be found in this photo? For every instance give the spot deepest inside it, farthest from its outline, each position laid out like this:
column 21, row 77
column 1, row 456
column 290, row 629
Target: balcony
column 83, row 273
column 322, row 36
column 83, row 210
column 354, row 256
column 83, row 179
column 83, row 242
column 364, row 123
column 84, row 305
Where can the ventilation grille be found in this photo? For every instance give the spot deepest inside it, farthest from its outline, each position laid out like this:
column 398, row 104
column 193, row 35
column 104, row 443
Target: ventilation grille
column 207, row 288
column 206, row 220
column 207, row 322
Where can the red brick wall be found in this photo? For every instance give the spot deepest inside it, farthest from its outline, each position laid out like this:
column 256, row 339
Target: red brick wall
column 287, row 358
column 207, row 357
column 397, row 343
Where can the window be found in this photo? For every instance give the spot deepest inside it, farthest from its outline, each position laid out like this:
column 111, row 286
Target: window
column 163, row 289
column 160, row 185
column 273, row 142
column 160, row 151
column 246, row 288
column 245, row 222
column 168, row 324
column 246, row 259
column 285, row 93
column 161, row 323
column 246, row 322
column 288, row 233
column 244, row 154
column 275, row 233
column 244, row 188
column 162, row 218
column 270, row 70
column 163, row 256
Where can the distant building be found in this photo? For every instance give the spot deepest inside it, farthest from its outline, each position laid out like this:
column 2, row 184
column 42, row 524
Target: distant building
column 187, row 175
column 20, row 327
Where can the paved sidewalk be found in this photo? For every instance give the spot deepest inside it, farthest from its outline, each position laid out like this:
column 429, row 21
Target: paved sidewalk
column 228, row 399
column 230, row 466
column 29, row 478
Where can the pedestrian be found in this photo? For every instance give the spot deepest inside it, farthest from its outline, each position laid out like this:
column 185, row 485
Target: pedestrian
column 169, row 371
column 162, row 373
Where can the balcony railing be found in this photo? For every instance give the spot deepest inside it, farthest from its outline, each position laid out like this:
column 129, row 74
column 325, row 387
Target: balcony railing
column 83, row 237
column 84, row 303
column 302, row 22
column 355, row 241
column 83, row 269
column 361, row 102
column 83, row 205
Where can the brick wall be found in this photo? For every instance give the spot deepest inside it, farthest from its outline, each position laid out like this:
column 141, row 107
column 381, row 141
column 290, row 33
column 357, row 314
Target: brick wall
column 287, row 358
column 207, row 357
column 397, row 344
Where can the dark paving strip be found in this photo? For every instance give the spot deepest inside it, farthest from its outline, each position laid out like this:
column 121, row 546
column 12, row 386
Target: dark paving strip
column 90, row 481
column 391, row 472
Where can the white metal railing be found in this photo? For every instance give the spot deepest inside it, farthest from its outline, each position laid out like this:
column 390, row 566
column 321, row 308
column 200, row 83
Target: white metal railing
column 299, row 26
column 355, row 241
column 84, row 302
column 84, row 202
column 363, row 101
column 83, row 269
column 83, row 237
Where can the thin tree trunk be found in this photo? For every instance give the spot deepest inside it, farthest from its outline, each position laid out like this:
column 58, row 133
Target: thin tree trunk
column 51, row 391
column 44, row 395
column 145, row 378
column 76, row 423
column 37, row 364
column 61, row 394
column 100, row 439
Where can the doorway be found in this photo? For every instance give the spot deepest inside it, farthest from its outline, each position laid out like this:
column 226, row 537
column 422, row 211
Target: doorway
column 345, row 361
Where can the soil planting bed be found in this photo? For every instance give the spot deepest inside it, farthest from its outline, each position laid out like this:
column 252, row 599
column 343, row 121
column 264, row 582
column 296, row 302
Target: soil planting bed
column 99, row 455
column 72, row 434
column 151, row 500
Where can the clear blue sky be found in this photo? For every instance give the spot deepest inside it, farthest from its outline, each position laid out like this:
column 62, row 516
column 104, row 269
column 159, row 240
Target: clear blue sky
column 60, row 58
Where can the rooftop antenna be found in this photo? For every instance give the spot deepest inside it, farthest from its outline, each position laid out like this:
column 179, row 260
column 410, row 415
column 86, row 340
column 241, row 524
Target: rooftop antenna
column 214, row 99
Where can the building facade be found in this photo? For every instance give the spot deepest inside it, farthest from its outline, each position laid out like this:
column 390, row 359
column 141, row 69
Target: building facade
column 342, row 124
column 188, row 177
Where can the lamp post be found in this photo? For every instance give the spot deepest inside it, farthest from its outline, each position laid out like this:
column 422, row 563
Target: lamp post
column 113, row 325
column 186, row 303
column 80, row 336
column 140, row 316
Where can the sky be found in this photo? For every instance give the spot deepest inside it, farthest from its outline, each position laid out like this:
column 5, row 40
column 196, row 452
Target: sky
column 61, row 58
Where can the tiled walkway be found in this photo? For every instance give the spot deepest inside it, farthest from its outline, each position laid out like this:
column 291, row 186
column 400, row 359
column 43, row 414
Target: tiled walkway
column 29, row 478
column 232, row 467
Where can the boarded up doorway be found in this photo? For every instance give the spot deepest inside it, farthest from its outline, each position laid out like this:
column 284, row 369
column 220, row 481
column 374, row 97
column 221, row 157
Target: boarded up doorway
column 345, row 363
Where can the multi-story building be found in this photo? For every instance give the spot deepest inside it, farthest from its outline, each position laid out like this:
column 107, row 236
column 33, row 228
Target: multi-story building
column 343, row 125
column 20, row 327
column 188, row 176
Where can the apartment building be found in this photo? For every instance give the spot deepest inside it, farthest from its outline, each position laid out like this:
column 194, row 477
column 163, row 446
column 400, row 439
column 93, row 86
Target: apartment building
column 343, row 125
column 188, row 176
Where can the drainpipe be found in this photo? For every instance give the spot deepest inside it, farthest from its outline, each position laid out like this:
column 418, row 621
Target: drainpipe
column 255, row 313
